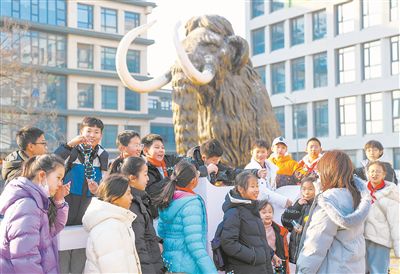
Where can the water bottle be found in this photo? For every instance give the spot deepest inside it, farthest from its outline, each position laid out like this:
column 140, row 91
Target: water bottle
column 295, row 225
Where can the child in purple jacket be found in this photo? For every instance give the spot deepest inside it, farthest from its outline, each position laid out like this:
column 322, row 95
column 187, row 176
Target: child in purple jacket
column 28, row 229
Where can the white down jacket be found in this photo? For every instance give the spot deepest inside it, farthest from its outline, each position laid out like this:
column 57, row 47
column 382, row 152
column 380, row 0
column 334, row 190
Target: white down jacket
column 111, row 244
column 334, row 241
column 382, row 224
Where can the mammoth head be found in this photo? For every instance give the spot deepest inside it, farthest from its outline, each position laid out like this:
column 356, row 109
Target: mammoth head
column 209, row 50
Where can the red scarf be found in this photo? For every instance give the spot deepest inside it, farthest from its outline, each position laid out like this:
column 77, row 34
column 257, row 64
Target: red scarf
column 157, row 163
column 185, row 189
column 373, row 189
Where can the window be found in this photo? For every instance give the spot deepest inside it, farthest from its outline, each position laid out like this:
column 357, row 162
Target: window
column 373, row 113
column 85, row 16
column 396, row 158
column 261, row 71
column 345, row 17
column 152, row 103
column 51, row 12
column 110, row 133
column 258, row 41
column 278, row 78
column 394, row 10
column 109, row 20
column 396, row 110
column 277, row 5
column 85, row 56
column 132, row 100
column 347, row 116
column 372, row 60
column 85, row 95
column 108, row 58
column 371, row 12
column 319, row 24
column 280, row 117
column 353, row 156
column 132, row 20
column 321, row 123
column 299, row 121
column 109, row 97
column 298, row 74
column 133, row 61
column 320, row 70
column 277, row 36
column 166, row 103
column 346, row 65
column 257, row 8
column 395, row 52
column 297, row 31
column 167, row 133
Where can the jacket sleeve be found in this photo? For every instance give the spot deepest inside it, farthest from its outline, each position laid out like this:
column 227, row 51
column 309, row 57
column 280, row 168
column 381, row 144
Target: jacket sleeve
column 318, row 239
column 108, row 247
column 290, row 214
column 273, row 197
column 61, row 219
column 24, row 237
column 230, row 239
column 392, row 216
column 63, row 151
column 193, row 220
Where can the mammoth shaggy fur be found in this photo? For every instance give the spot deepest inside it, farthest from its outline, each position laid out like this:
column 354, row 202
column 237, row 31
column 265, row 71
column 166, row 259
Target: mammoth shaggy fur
column 234, row 107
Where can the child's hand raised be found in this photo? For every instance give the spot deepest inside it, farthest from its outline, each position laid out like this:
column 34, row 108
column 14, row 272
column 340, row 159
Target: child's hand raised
column 262, row 173
column 61, row 192
column 93, row 186
column 77, row 140
column 302, row 201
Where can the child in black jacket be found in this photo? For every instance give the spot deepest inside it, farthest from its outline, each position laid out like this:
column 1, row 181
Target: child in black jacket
column 295, row 217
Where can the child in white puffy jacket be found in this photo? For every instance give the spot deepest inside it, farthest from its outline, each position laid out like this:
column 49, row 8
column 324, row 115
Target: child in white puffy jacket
column 382, row 224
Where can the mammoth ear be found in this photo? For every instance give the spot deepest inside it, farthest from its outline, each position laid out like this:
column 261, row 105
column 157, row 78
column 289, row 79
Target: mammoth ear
column 240, row 56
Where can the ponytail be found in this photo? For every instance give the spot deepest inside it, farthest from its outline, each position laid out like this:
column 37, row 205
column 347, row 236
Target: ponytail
column 116, row 165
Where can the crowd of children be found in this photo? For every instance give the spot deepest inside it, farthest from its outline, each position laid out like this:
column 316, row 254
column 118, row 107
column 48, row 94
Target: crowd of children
column 143, row 216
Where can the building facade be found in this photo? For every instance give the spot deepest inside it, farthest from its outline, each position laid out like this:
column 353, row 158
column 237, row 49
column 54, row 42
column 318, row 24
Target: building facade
column 332, row 71
column 74, row 44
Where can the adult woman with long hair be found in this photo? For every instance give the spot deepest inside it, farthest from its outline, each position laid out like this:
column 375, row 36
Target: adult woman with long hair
column 333, row 240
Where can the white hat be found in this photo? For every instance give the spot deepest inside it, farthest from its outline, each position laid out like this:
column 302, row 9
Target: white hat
column 278, row 140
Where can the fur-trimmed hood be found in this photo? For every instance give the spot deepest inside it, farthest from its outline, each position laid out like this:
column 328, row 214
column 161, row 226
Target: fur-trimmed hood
column 338, row 204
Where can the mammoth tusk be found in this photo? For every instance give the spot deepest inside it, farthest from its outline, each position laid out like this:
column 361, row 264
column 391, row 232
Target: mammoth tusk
column 122, row 68
column 197, row 77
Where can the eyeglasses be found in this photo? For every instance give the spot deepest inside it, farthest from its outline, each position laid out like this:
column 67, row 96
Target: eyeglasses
column 137, row 146
column 41, row 143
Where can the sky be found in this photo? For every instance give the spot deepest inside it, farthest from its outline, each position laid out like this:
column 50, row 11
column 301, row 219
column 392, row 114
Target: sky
column 161, row 55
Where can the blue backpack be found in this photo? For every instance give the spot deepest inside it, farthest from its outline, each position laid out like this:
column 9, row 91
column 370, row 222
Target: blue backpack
column 219, row 256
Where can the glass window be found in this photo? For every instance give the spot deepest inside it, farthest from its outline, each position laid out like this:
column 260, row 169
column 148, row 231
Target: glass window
column 109, row 97
column 110, row 133
column 85, row 16
column 109, row 20
column 396, row 110
column 345, row 17
column 319, row 24
column 280, row 117
column 165, row 103
column 153, row 103
column 396, row 159
column 132, row 20
column 51, row 12
column 108, row 58
column 372, row 13
column 85, row 95
column 297, row 31
column 278, row 78
column 299, row 121
column 133, row 61
column 277, row 5
column 85, row 56
column 346, row 65
column 372, row 60
column 167, row 133
column 395, row 52
column 132, row 100
column 373, row 113
column 277, row 36
column 321, row 123
column 298, row 74
column 394, row 10
column 257, row 8
column 347, row 116
column 320, row 68
column 258, row 41
column 261, row 72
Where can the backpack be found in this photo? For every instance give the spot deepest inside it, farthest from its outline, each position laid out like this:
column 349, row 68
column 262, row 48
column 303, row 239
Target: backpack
column 218, row 253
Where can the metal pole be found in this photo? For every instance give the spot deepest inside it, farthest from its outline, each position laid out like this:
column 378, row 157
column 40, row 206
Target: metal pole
column 296, row 126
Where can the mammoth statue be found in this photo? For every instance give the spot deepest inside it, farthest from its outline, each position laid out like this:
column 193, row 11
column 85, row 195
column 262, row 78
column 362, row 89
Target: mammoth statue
column 216, row 91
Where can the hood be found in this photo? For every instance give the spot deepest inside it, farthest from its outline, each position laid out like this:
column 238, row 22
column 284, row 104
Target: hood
column 233, row 199
column 338, row 204
column 279, row 159
column 20, row 188
column 390, row 191
column 100, row 211
column 169, row 213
